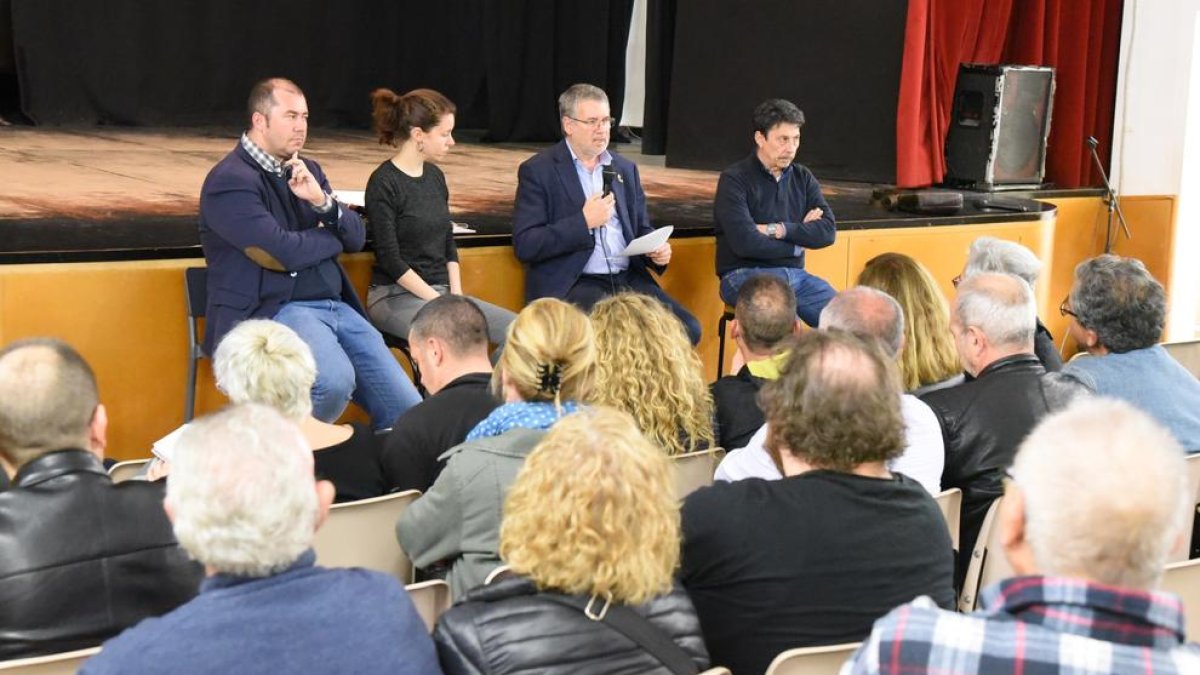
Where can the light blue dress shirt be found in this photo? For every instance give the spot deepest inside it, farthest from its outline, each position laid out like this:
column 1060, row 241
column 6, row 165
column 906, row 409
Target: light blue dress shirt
column 610, row 236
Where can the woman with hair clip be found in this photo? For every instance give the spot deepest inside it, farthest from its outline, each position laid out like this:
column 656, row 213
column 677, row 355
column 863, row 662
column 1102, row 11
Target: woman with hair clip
column 929, row 360
column 544, row 372
column 591, row 536
column 408, row 210
column 648, row 368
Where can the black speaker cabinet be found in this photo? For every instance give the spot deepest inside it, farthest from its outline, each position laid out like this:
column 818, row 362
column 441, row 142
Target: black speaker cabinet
column 998, row 127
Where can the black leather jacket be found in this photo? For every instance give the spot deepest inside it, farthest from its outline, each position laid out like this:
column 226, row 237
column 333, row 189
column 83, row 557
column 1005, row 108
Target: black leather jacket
column 508, row 627
column 81, row 558
column 984, row 421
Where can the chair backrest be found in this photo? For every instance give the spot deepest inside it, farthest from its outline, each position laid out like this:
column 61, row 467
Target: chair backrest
column 501, row 572
column 195, row 285
column 988, row 563
column 950, row 502
column 1187, row 550
column 1183, row 579
column 1186, row 353
column 431, row 598
column 363, row 534
column 123, row 471
column 812, row 660
column 65, row 663
column 695, row 470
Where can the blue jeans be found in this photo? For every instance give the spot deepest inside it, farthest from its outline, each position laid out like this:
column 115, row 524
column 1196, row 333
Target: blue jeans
column 812, row 292
column 352, row 362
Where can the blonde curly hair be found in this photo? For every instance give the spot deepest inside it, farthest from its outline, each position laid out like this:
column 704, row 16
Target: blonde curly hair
column 929, row 355
column 550, row 337
column 648, row 368
column 593, row 511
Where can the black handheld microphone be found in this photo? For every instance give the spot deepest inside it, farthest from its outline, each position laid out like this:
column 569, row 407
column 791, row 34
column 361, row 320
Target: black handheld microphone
column 1091, row 140
column 608, row 175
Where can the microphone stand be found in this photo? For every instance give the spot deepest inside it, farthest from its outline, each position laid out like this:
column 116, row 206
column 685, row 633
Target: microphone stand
column 1110, row 200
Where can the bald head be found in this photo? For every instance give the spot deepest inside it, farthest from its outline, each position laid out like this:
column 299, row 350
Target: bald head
column 48, row 400
column 869, row 314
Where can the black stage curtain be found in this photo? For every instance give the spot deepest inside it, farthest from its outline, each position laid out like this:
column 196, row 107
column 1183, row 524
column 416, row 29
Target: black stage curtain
column 191, row 62
column 660, row 50
column 839, row 60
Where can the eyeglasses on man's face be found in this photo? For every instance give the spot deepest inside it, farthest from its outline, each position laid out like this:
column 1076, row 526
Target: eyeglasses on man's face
column 595, row 122
column 1065, row 308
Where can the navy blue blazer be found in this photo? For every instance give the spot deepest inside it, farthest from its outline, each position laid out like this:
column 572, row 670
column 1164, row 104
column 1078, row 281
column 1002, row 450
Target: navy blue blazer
column 256, row 235
column 550, row 234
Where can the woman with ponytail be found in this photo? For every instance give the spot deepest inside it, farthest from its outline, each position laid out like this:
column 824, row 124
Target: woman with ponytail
column 408, row 210
column 544, row 373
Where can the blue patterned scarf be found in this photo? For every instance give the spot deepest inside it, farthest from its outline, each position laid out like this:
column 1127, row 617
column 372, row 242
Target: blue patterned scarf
column 522, row 415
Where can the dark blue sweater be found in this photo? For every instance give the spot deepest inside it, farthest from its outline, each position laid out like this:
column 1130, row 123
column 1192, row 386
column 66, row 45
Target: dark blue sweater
column 306, row 619
column 748, row 195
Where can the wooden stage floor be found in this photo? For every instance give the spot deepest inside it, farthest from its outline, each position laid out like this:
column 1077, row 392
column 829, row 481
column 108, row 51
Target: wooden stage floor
column 107, row 193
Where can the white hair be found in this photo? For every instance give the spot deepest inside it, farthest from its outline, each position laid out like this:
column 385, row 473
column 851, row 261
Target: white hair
column 263, row 361
column 242, row 491
column 989, row 254
column 868, row 313
column 1105, row 490
column 1000, row 305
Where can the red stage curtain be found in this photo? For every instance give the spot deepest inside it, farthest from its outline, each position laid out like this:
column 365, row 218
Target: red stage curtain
column 1079, row 38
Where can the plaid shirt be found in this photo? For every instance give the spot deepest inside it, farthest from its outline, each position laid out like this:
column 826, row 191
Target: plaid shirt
column 266, row 161
column 1034, row 626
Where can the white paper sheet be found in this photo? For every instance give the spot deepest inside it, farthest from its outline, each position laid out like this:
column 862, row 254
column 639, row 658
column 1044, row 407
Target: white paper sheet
column 647, row 243
column 351, row 197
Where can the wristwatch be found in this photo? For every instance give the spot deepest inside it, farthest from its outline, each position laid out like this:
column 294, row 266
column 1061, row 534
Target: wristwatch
column 772, row 230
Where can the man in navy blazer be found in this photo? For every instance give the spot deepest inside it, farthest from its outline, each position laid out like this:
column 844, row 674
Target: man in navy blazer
column 272, row 232
column 568, row 232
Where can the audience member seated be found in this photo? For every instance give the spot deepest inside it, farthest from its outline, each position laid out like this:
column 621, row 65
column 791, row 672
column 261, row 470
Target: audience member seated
column 1117, row 315
column 449, row 343
column 989, row 254
column 646, row 366
column 929, row 361
column 764, row 318
column 80, row 558
column 243, row 502
column 869, row 314
column 817, row 557
column 545, row 371
column 591, row 528
column 984, row 420
column 263, row 361
column 1087, row 563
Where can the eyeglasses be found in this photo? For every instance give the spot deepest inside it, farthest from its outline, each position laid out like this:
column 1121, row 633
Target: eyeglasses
column 596, row 123
column 1065, row 308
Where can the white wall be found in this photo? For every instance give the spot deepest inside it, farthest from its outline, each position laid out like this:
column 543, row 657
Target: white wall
column 1156, row 135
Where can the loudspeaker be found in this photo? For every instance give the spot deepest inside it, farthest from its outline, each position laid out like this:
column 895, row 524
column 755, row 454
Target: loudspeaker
column 998, row 127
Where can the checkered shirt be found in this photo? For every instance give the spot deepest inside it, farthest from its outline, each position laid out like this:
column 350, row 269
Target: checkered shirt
column 1034, row 625
column 266, row 161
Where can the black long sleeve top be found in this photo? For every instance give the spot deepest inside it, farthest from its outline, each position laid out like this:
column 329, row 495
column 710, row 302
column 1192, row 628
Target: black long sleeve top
column 747, row 195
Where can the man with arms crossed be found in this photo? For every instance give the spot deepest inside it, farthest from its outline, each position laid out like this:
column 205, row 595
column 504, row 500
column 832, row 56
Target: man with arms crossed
column 768, row 210
column 272, row 232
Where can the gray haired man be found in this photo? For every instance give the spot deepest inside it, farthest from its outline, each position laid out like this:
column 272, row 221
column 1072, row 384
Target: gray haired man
column 243, row 501
column 985, row 419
